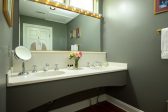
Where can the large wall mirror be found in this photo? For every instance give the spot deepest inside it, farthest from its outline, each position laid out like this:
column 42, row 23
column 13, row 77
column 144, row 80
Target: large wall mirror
column 47, row 28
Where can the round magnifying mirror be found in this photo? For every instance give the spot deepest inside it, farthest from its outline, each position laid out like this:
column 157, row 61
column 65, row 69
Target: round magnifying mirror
column 23, row 53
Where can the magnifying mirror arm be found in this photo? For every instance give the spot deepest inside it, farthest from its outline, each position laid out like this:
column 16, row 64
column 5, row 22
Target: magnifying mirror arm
column 23, row 69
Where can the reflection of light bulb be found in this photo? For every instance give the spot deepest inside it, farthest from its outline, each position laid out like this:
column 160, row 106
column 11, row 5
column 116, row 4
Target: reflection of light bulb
column 47, row 1
column 81, row 11
column 74, row 9
column 66, row 6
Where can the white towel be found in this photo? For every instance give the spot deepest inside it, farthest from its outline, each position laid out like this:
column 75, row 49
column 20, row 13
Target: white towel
column 72, row 47
column 76, row 47
column 164, row 43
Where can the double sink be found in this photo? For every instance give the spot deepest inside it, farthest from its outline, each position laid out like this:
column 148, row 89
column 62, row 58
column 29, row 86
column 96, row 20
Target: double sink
column 51, row 75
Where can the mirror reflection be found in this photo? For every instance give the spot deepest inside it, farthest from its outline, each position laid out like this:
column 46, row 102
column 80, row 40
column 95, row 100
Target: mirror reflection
column 46, row 28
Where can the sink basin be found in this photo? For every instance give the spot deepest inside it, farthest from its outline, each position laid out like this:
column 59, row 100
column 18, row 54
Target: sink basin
column 49, row 73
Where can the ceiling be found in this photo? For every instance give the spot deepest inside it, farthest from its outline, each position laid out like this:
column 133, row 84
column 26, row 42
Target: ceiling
column 32, row 9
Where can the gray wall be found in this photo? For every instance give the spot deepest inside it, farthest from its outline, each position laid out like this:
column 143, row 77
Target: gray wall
column 130, row 36
column 5, row 44
column 90, row 33
column 59, row 31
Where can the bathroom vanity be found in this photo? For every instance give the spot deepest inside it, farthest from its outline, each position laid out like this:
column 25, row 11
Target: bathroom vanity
column 62, row 30
column 28, row 92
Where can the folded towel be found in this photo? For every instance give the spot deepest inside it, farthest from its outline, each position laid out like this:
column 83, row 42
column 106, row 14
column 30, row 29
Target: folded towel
column 38, row 45
column 164, row 43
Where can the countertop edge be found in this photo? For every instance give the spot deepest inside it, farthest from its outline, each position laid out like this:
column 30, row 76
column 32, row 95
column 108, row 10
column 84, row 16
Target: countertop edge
column 121, row 67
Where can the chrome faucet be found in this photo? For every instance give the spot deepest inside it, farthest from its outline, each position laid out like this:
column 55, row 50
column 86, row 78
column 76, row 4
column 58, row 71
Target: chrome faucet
column 97, row 64
column 56, row 67
column 34, row 68
column 46, row 68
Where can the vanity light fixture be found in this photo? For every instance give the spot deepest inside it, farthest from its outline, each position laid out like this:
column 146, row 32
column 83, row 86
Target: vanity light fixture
column 69, row 8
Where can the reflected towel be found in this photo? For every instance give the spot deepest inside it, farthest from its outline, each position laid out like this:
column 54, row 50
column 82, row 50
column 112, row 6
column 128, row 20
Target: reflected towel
column 38, row 45
column 164, row 43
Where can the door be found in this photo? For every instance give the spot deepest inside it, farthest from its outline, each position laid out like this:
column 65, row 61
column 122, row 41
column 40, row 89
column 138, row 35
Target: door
column 36, row 37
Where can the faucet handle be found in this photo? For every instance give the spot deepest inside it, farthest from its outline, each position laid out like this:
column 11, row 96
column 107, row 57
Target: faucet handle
column 34, row 68
column 47, row 65
column 46, row 68
column 88, row 64
column 97, row 63
column 56, row 67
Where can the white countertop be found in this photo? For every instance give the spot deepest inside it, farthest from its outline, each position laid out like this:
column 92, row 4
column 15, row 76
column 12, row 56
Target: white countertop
column 15, row 80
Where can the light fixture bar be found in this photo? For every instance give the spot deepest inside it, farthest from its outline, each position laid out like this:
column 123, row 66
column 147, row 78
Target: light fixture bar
column 69, row 8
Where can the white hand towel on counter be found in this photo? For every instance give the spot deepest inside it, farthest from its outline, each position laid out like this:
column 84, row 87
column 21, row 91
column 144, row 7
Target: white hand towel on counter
column 164, row 43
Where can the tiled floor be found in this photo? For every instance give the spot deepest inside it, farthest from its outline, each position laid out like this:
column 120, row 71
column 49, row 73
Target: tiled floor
column 102, row 107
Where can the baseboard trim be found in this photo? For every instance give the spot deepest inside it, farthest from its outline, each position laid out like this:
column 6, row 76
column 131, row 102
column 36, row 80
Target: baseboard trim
column 86, row 103
column 122, row 105
column 81, row 105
